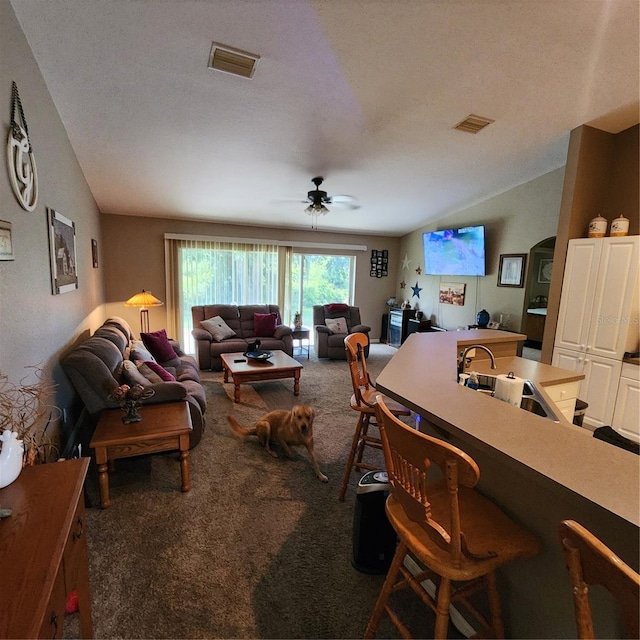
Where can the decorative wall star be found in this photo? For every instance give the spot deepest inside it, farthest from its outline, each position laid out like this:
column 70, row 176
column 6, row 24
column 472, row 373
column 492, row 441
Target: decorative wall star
column 406, row 262
column 416, row 290
column 403, row 284
column 418, row 269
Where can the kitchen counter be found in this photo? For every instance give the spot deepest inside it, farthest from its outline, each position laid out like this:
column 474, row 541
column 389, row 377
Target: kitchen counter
column 538, row 470
column 422, row 376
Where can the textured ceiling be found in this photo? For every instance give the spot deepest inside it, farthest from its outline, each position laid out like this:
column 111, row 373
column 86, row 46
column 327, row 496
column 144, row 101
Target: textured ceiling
column 362, row 92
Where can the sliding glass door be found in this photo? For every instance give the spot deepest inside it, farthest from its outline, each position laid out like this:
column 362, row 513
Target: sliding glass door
column 320, row 279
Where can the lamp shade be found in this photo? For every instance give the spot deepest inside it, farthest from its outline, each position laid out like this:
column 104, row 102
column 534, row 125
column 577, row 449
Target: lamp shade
column 143, row 299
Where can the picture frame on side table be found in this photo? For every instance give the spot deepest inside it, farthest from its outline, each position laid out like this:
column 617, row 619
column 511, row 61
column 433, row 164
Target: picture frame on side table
column 511, row 270
column 63, row 253
column 6, row 241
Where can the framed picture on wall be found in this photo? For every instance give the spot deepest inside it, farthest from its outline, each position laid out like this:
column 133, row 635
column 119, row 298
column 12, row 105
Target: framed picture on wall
column 544, row 270
column 62, row 250
column 511, row 270
column 94, row 253
column 6, row 241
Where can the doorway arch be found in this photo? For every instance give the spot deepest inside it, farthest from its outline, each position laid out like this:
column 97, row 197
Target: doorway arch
column 536, row 293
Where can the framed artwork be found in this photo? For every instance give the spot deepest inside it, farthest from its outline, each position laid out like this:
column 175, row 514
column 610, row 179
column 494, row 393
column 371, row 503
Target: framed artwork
column 544, row 270
column 6, row 241
column 62, row 250
column 511, row 270
column 379, row 263
column 94, row 253
column 452, row 293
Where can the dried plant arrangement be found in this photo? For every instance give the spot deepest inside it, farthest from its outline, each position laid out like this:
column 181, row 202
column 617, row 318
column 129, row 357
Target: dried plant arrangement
column 27, row 409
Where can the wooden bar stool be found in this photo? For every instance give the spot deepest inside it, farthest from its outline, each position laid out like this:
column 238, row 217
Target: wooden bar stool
column 455, row 533
column 590, row 562
column 362, row 401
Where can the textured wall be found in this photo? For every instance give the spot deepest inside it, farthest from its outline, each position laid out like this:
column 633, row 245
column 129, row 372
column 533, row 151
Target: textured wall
column 36, row 326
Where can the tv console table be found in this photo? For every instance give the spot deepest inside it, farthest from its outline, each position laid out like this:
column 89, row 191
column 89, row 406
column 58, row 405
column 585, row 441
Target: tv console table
column 43, row 551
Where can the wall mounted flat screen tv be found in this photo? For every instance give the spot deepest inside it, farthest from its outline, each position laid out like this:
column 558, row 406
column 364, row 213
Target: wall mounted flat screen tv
column 454, row 252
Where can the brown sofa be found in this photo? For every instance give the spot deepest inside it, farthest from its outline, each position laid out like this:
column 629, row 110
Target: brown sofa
column 95, row 368
column 240, row 319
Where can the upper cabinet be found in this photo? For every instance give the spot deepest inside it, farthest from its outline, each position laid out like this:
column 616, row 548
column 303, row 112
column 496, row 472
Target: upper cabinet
column 599, row 302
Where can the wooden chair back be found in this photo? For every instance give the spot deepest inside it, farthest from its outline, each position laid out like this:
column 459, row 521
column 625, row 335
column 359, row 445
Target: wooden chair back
column 590, row 562
column 354, row 345
column 408, row 456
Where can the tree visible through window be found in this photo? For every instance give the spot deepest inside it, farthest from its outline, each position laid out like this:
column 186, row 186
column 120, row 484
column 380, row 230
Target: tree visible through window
column 320, row 279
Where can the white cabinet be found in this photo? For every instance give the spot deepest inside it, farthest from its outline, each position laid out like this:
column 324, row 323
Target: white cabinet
column 600, row 384
column 626, row 417
column 599, row 303
column 564, row 396
column 598, row 318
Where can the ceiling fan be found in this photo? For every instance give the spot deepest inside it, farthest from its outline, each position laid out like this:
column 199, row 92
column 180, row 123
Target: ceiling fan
column 318, row 199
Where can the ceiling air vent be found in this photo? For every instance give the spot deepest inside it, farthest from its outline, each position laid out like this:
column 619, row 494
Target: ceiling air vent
column 230, row 60
column 473, row 124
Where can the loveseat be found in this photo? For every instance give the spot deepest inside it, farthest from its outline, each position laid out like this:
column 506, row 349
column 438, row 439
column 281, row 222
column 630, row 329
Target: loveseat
column 237, row 331
column 112, row 357
column 332, row 324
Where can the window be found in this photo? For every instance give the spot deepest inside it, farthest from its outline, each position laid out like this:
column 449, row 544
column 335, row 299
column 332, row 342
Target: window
column 221, row 273
column 320, row 279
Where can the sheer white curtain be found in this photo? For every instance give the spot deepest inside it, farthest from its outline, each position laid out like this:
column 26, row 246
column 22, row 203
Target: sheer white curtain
column 201, row 271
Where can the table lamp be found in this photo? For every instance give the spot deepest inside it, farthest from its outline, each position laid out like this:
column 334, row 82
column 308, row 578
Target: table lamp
column 143, row 300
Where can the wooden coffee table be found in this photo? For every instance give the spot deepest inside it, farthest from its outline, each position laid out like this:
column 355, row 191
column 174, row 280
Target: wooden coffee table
column 243, row 369
column 164, row 427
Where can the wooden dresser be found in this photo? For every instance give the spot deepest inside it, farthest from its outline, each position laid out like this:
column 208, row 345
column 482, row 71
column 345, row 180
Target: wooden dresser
column 43, row 551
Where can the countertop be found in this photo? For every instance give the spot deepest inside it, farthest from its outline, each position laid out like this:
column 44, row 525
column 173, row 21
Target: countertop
column 538, row 311
column 422, row 376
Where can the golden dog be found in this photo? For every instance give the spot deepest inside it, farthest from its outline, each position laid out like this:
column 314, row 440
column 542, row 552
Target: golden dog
column 293, row 427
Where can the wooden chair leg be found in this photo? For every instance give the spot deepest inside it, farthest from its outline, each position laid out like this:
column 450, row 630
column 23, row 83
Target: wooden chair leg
column 364, row 430
column 385, row 592
column 350, row 460
column 495, row 611
column 442, row 609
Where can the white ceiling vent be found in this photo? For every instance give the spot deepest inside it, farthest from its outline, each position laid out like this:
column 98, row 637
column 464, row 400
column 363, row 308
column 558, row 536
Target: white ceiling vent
column 230, row 60
column 473, row 124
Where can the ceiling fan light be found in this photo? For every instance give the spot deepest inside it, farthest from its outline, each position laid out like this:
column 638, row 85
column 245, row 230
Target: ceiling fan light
column 316, row 210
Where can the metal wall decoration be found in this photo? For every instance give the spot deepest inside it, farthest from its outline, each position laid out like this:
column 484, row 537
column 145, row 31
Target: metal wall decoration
column 379, row 263
column 62, row 248
column 20, row 159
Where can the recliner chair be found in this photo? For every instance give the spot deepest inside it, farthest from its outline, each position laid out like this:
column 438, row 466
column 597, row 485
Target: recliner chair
column 328, row 343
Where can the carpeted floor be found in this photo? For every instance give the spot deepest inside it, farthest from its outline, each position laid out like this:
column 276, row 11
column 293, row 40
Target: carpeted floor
column 259, row 548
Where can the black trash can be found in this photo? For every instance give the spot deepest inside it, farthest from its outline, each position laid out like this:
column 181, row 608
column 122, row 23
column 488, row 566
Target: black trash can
column 580, row 410
column 374, row 539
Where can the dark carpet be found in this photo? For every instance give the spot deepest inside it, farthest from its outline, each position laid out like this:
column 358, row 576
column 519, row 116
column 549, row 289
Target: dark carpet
column 259, row 548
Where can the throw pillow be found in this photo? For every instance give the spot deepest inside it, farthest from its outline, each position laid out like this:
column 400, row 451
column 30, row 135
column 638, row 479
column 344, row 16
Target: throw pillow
column 337, row 325
column 131, row 374
column 264, row 324
column 218, row 328
column 160, row 370
column 159, row 345
column 139, row 352
column 336, row 307
column 148, row 373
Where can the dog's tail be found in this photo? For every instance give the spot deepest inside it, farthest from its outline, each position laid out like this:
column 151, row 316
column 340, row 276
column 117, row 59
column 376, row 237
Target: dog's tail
column 238, row 429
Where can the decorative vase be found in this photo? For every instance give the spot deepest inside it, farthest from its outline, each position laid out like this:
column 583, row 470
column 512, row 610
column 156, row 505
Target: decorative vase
column 482, row 319
column 598, row 227
column 11, row 457
column 297, row 321
column 619, row 227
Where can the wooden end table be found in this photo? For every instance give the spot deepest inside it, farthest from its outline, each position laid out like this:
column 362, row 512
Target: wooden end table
column 164, row 427
column 243, row 369
column 303, row 333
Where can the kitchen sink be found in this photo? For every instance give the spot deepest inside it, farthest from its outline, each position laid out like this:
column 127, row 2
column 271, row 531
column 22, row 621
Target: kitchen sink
column 532, row 401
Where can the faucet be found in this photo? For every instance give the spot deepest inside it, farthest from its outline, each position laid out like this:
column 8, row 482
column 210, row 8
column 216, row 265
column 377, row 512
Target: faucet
column 462, row 360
